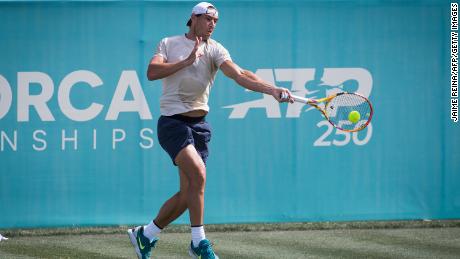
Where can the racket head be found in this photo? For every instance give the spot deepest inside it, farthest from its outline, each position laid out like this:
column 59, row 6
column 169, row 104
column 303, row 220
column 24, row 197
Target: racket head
column 338, row 107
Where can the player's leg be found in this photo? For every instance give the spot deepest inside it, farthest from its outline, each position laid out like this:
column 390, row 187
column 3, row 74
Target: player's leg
column 194, row 168
column 190, row 162
column 172, row 134
column 178, row 203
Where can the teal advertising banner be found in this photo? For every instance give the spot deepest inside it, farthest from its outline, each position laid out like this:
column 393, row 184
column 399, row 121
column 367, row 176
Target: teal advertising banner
column 78, row 116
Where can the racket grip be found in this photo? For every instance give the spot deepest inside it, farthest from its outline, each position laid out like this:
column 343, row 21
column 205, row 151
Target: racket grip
column 300, row 99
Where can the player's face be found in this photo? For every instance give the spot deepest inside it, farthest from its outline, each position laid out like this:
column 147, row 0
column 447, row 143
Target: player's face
column 205, row 25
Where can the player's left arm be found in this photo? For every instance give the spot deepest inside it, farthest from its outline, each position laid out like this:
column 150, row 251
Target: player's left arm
column 251, row 81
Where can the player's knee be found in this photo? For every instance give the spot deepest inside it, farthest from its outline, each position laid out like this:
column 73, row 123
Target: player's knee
column 198, row 178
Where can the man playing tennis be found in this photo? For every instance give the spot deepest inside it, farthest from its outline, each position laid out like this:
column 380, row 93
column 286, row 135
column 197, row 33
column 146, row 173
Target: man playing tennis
column 188, row 65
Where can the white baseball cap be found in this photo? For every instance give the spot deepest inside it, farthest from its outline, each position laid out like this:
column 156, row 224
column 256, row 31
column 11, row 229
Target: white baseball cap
column 203, row 8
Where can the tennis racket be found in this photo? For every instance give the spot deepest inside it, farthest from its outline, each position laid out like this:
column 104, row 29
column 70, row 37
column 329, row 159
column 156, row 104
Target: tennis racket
column 346, row 111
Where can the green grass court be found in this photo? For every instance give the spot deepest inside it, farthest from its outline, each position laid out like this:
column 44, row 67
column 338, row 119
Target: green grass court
column 301, row 240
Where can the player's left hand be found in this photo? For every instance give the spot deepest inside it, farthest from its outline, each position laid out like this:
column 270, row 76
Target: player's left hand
column 282, row 95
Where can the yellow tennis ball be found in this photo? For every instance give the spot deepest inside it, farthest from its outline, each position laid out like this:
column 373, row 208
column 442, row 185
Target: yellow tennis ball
column 354, row 116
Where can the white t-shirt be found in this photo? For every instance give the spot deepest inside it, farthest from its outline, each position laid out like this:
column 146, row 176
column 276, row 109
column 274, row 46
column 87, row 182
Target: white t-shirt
column 188, row 89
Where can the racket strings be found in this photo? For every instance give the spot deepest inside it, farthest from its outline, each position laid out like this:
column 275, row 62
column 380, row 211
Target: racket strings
column 339, row 108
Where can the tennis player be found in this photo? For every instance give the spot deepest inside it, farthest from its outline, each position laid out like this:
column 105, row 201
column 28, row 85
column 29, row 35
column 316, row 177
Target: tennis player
column 188, row 65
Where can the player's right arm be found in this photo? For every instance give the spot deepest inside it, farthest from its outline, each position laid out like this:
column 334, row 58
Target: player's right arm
column 251, row 81
column 159, row 68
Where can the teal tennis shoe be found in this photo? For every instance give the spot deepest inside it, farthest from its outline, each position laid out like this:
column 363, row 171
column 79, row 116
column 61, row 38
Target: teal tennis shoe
column 141, row 244
column 203, row 251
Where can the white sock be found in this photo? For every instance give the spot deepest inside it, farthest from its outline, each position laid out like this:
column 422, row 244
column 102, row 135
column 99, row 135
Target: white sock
column 151, row 231
column 197, row 235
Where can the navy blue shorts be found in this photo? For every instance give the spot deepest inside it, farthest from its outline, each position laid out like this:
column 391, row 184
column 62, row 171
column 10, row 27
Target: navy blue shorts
column 178, row 131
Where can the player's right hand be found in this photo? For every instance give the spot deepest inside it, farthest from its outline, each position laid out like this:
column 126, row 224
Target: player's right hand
column 282, row 95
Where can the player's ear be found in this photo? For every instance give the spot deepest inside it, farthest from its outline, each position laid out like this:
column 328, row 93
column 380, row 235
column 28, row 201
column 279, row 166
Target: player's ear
column 193, row 19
